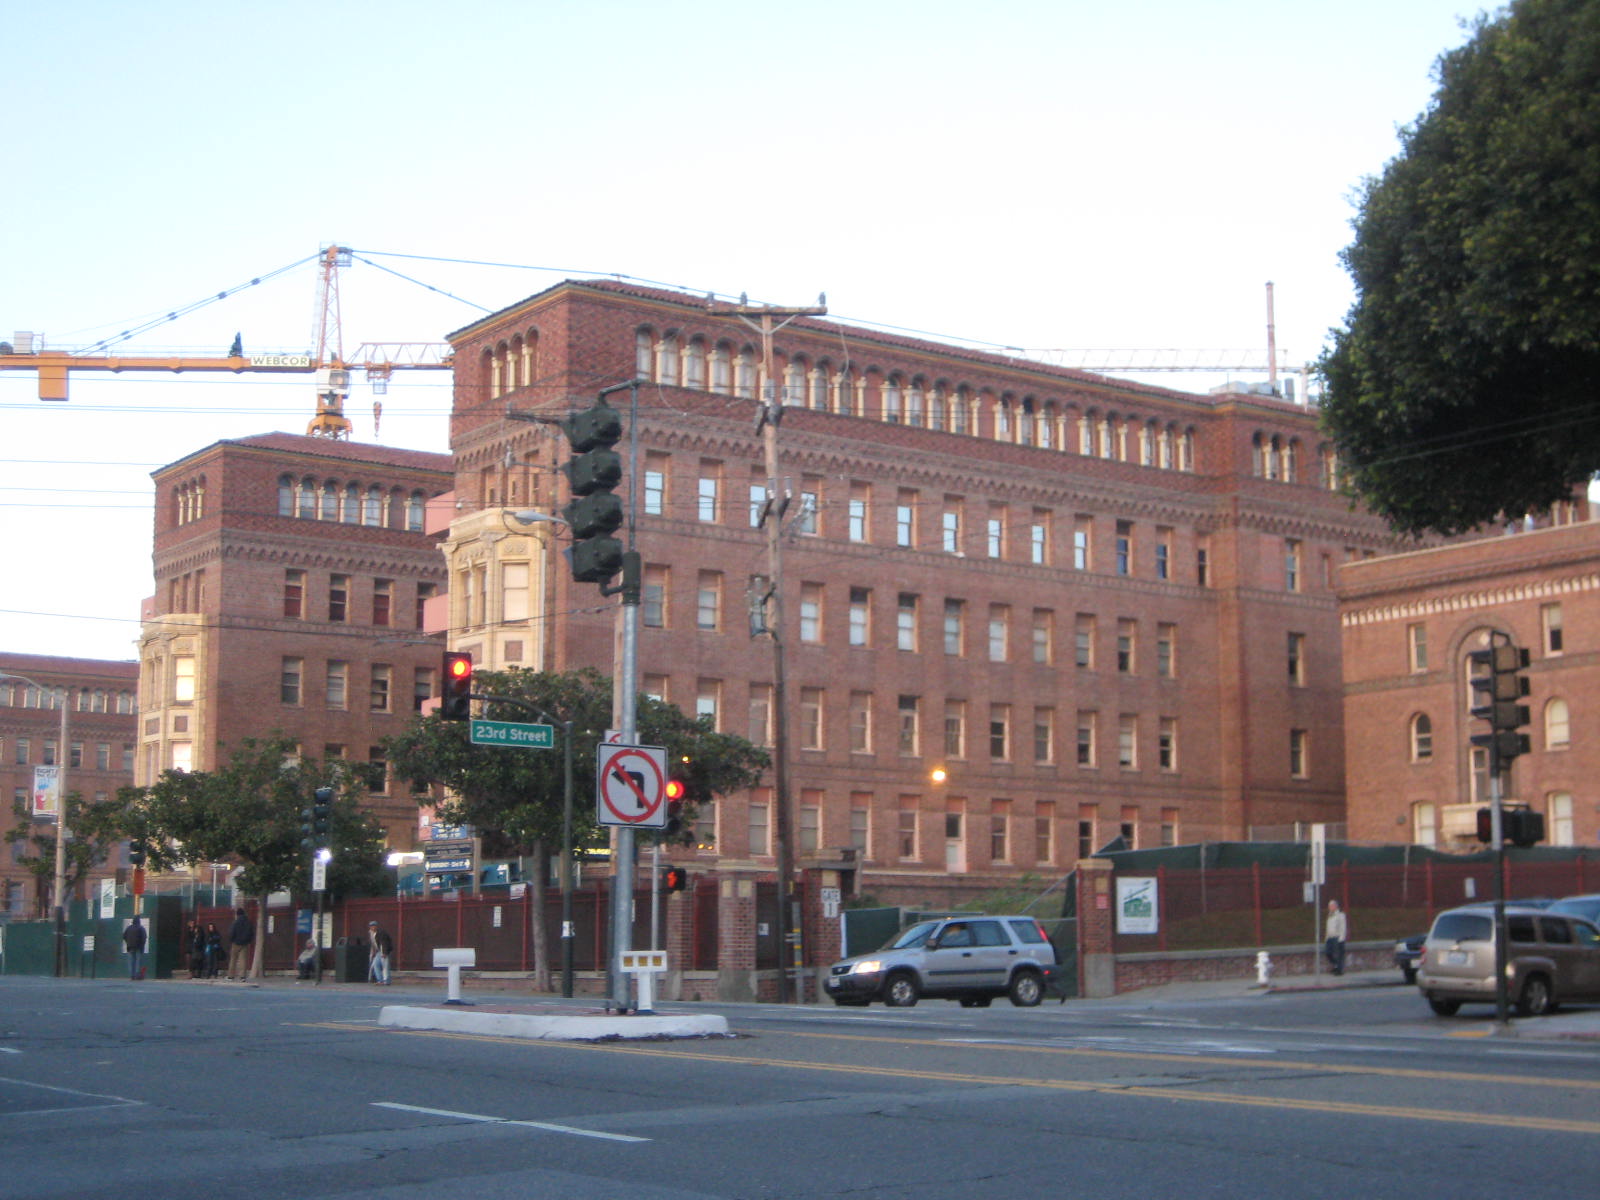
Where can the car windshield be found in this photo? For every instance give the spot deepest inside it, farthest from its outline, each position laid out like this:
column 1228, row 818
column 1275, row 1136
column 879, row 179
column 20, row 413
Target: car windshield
column 1463, row 927
column 915, row 936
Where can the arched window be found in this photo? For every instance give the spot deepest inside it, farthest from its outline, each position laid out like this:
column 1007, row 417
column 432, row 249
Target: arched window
column 694, row 365
column 1047, row 427
column 1186, row 451
column 1168, row 455
column 818, row 381
column 1258, row 457
column 667, row 360
column 794, row 383
column 1421, row 738
column 1557, row 727
column 1291, row 461
column 509, row 355
column 124, row 702
column 1087, row 424
column 352, row 505
column 745, row 383
column 722, row 369
column 1025, row 423
column 99, row 704
column 644, row 354
column 1275, row 458
column 891, row 399
column 1108, row 441
column 1147, row 445
column 415, row 508
column 308, row 498
column 914, row 403
column 285, row 496
column 961, row 413
column 372, row 513
column 330, row 501
column 844, row 395
column 1002, row 419
column 489, row 369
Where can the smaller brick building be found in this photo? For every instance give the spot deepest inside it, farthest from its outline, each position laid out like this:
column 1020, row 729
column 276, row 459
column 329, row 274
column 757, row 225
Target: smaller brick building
column 291, row 573
column 1409, row 621
column 101, row 731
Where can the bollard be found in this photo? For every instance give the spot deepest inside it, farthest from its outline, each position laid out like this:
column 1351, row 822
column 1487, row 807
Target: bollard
column 452, row 959
column 1263, row 968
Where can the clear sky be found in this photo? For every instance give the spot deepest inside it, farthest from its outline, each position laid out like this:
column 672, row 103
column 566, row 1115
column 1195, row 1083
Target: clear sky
column 1028, row 173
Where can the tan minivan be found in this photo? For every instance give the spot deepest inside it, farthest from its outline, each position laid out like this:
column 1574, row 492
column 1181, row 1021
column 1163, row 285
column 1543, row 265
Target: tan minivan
column 1550, row 958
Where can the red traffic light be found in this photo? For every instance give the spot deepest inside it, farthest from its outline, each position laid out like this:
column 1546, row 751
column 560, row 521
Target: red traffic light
column 456, row 693
column 675, row 790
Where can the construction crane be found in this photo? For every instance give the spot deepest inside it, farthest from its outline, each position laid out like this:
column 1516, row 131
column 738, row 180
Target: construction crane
column 327, row 361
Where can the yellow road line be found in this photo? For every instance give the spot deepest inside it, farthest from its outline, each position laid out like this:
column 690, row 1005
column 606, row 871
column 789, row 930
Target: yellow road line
column 1345, row 1108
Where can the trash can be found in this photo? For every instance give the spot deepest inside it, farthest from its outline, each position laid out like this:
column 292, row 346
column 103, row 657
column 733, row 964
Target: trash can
column 350, row 961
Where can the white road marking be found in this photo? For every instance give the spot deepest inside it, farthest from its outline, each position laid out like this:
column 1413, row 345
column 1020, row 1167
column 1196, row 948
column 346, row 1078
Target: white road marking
column 461, row 1116
column 110, row 1101
column 9, row 1050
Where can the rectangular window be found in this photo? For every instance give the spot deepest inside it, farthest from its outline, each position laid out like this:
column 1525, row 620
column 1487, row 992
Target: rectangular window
column 1169, row 827
column 811, row 718
column 1166, row 650
column 706, row 493
column 1039, row 538
column 421, row 687
column 102, row 756
column 338, row 597
column 1128, row 741
column 708, row 601
column 1086, row 738
column 955, row 728
column 811, row 612
column 1167, row 744
column 1163, row 553
column 760, row 840
column 380, row 687
column 294, row 593
column 1082, row 542
column 425, row 592
column 383, row 599
column 905, row 621
column 513, row 592
column 655, row 485
column 999, row 831
column 810, row 823
column 708, row 701
column 21, row 748
column 860, row 615
column 860, row 823
column 905, row 519
column 1299, row 767
column 1124, row 548
column 857, row 512
column 1044, row 636
column 1291, row 564
column 910, row 735
column 75, row 755
column 906, row 829
column 290, row 673
column 999, row 623
column 1044, row 830
column 995, row 533
column 1550, row 623
column 1202, row 565
column 1000, row 732
column 954, row 622
column 1044, row 735
column 1127, row 640
column 183, row 679
column 760, row 714
column 860, row 718
column 1297, row 659
column 950, row 528
column 1085, row 837
column 654, row 686
column 338, row 691
column 1083, row 642
column 653, row 597
column 1417, row 647
column 758, row 503
column 377, row 771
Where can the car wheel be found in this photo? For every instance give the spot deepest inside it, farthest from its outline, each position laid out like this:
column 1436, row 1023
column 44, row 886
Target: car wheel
column 901, row 990
column 1410, row 974
column 1027, row 989
column 1444, row 1008
column 976, row 1001
column 1536, row 999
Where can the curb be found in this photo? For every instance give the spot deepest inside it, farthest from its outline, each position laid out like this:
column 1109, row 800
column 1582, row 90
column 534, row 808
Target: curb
column 554, row 1028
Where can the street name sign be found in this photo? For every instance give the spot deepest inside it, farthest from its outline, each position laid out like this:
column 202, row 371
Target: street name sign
column 512, row 733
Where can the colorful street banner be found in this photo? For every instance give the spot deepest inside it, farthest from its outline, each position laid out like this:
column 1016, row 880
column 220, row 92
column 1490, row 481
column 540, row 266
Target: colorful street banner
column 46, row 793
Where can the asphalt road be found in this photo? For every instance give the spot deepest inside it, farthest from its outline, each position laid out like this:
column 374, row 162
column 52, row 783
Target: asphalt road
column 111, row 1089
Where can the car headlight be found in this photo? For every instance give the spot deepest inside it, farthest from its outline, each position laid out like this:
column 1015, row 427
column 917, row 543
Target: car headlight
column 867, row 966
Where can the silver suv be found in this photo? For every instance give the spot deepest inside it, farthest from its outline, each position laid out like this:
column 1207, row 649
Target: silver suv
column 970, row 959
column 1550, row 957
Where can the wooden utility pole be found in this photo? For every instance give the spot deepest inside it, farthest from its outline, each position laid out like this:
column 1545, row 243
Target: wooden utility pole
column 766, row 320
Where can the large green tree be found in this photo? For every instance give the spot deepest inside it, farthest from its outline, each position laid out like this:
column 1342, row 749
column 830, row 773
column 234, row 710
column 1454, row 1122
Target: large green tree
column 249, row 811
column 1464, row 384
column 514, row 797
column 94, row 831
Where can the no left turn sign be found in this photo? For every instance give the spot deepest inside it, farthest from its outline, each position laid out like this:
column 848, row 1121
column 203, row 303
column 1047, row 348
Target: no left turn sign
column 632, row 785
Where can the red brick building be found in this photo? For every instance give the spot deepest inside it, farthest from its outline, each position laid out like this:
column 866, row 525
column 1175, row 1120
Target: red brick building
column 102, row 718
column 290, row 577
column 1409, row 622
column 1101, row 607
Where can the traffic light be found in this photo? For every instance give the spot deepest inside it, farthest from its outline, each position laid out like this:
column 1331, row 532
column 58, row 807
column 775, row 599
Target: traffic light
column 674, row 879
column 1498, row 684
column 456, row 690
column 321, row 813
column 1524, row 827
column 595, row 511
column 308, row 840
column 1486, row 825
column 136, row 852
column 676, row 791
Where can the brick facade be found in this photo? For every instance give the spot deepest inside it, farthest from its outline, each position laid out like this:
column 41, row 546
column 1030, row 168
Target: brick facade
column 937, row 581
column 1409, row 622
column 289, row 572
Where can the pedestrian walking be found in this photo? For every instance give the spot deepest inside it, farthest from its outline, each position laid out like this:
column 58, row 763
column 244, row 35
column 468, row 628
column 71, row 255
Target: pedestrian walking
column 1337, row 931
column 134, row 938
column 241, row 936
column 381, row 948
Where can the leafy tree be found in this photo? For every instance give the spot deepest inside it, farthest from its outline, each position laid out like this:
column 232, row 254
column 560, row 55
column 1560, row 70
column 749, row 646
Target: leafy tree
column 1464, row 383
column 249, row 811
column 94, row 830
column 514, row 798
